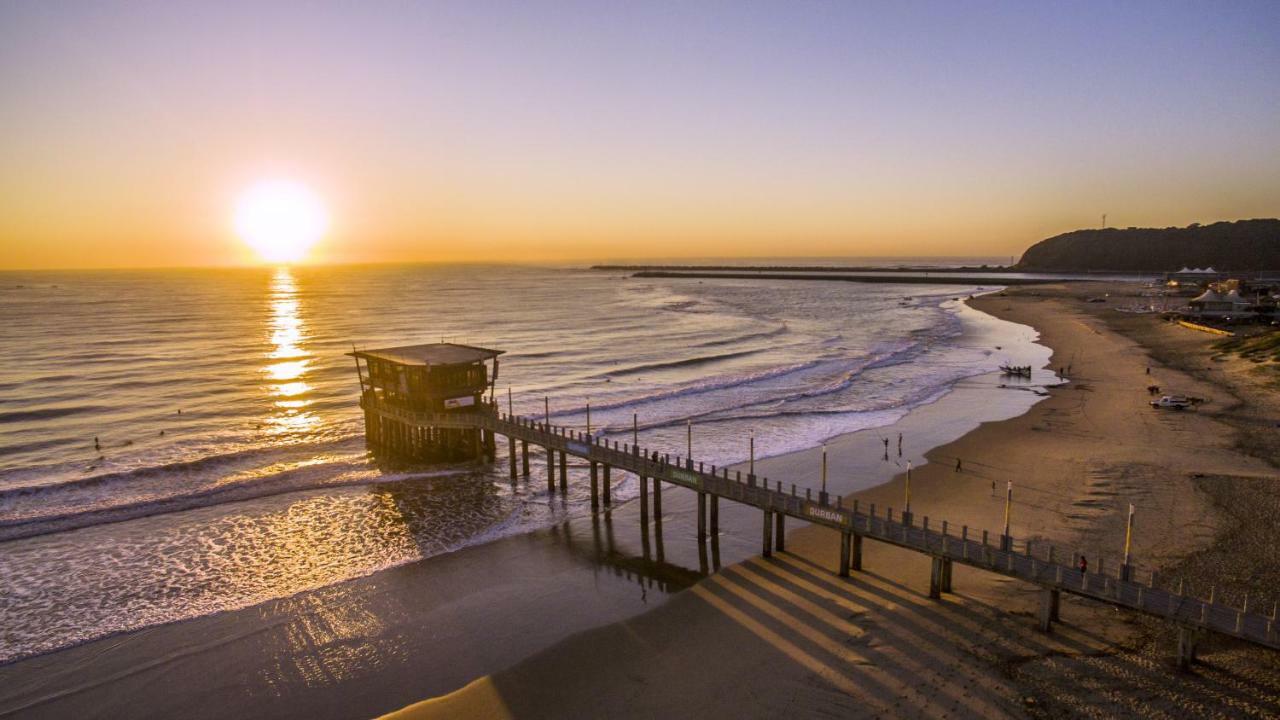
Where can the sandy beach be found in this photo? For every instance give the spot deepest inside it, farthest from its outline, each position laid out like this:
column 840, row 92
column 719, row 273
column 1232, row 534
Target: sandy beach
column 785, row 637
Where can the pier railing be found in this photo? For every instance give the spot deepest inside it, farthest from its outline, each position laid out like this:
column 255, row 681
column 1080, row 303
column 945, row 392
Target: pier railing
column 1033, row 563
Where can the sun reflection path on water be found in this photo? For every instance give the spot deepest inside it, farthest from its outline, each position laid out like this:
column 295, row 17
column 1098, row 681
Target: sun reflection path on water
column 287, row 359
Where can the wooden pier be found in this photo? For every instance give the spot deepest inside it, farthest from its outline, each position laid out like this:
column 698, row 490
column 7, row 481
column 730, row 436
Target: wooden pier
column 944, row 544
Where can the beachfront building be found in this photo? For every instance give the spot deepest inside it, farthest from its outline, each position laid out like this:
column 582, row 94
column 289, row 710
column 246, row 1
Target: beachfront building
column 1193, row 276
column 400, row 386
column 1212, row 304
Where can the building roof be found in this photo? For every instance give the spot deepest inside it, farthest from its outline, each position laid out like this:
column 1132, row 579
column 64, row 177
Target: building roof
column 1209, row 296
column 430, row 354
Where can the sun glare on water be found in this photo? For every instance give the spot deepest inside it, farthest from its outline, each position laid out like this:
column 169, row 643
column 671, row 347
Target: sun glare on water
column 280, row 220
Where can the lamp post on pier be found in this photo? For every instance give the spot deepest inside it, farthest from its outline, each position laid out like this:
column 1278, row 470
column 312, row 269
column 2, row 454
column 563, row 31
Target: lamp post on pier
column 1128, row 537
column 1005, row 542
column 822, row 493
column 906, row 511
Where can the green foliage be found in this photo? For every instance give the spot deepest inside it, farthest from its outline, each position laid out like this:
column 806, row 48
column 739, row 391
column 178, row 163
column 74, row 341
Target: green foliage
column 1258, row 348
column 1243, row 245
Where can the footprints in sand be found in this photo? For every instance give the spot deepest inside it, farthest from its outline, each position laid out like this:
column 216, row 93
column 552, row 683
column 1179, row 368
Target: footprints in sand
column 1107, row 487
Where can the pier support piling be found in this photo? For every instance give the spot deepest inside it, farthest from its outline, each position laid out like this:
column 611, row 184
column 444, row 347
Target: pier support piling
column 607, row 487
column 1049, row 600
column 935, row 578
column 702, row 516
column 657, row 499
column 1188, row 639
column 644, row 502
column 524, row 457
column 595, row 485
column 780, row 532
column 551, row 470
column 768, row 534
column 856, row 553
column 946, row 575
column 511, row 453
column 564, row 471
column 844, row 554
column 714, row 514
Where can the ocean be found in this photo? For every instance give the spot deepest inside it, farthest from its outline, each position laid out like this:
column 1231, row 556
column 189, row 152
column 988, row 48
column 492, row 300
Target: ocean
column 184, row 442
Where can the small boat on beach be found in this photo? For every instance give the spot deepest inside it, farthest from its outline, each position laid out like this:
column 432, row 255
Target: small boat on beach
column 1016, row 370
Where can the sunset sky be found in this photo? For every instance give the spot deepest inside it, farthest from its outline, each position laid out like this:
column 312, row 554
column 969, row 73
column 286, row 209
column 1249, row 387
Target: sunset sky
column 534, row 131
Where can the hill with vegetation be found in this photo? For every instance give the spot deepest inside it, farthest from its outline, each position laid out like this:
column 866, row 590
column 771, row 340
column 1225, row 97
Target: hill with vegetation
column 1244, row 245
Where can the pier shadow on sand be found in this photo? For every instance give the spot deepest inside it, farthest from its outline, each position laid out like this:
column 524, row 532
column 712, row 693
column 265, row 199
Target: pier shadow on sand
column 783, row 637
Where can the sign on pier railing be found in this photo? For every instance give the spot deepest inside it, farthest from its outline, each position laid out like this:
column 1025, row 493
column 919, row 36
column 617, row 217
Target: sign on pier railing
column 686, row 476
column 818, row 512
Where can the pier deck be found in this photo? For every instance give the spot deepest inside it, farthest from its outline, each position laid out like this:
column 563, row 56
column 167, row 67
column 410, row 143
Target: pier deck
column 1037, row 565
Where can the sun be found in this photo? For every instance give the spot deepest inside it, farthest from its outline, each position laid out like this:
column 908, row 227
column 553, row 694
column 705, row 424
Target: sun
column 280, row 220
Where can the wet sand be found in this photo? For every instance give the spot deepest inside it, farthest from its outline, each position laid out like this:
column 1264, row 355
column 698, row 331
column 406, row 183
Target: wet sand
column 785, row 637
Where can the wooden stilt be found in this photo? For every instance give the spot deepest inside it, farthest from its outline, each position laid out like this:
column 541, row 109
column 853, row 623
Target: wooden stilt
column 935, row 578
column 607, row 488
column 1187, row 641
column 595, row 484
column 524, row 457
column 564, row 472
column 551, row 470
column 702, row 516
column 844, row 555
column 714, row 514
column 644, row 502
column 780, row 532
column 768, row 534
column 659, row 550
column 1044, row 617
column 856, row 560
column 511, row 455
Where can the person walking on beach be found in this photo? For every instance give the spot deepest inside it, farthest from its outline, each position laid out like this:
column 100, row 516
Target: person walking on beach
column 899, row 444
column 958, row 466
column 886, row 449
